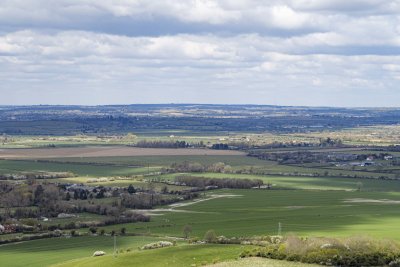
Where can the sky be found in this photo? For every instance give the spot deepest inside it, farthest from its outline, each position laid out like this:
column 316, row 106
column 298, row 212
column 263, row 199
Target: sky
column 277, row 52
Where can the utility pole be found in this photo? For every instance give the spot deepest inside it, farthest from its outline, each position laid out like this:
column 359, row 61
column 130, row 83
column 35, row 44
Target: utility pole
column 279, row 228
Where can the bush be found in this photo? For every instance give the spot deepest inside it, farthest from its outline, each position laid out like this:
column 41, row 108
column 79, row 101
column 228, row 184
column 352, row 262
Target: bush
column 123, row 231
column 187, row 230
column 355, row 251
column 93, row 230
column 159, row 244
column 395, row 263
column 210, row 236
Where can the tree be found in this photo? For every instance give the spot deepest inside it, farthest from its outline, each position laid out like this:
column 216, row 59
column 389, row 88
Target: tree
column 131, row 189
column 83, row 194
column 210, row 236
column 100, row 194
column 67, row 196
column 152, row 188
column 359, row 186
column 93, row 230
column 164, row 189
column 187, row 230
column 123, row 231
column 38, row 195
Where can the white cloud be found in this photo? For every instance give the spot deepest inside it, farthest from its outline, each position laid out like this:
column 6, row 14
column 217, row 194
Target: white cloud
column 287, row 18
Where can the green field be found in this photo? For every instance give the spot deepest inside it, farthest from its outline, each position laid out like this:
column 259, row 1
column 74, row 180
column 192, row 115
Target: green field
column 301, row 182
column 304, row 212
column 175, row 256
column 193, row 255
column 329, row 206
column 16, row 166
column 54, row 250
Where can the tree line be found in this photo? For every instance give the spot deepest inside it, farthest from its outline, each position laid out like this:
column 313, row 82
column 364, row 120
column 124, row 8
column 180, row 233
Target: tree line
column 202, row 182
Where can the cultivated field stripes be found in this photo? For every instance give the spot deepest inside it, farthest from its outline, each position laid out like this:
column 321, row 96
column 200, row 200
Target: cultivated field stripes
column 37, row 153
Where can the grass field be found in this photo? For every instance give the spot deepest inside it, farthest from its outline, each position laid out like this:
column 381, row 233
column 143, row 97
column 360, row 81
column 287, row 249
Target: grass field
column 233, row 160
column 304, row 205
column 16, row 166
column 181, row 256
column 186, row 255
column 304, row 212
column 39, row 253
column 301, row 182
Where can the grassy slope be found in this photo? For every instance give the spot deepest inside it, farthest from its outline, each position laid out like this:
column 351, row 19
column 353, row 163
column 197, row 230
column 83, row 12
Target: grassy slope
column 175, row 256
column 50, row 251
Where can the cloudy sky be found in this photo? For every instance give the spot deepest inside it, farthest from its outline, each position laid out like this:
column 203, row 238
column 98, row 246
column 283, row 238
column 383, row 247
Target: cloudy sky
column 282, row 52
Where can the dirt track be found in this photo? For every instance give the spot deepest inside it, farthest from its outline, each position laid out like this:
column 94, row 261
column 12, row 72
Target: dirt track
column 36, row 153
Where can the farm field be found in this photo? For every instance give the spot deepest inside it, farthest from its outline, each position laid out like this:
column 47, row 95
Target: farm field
column 108, row 151
column 18, row 166
column 307, row 203
column 45, row 252
column 307, row 183
column 138, row 165
column 302, row 212
column 371, row 135
column 157, row 161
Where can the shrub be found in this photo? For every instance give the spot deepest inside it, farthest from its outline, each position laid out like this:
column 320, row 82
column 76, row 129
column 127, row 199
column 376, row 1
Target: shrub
column 355, row 251
column 210, row 236
column 395, row 263
column 159, row 244
column 187, row 230
column 123, row 231
column 93, row 230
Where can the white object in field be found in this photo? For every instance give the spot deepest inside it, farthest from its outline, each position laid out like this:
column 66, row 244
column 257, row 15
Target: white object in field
column 99, row 253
